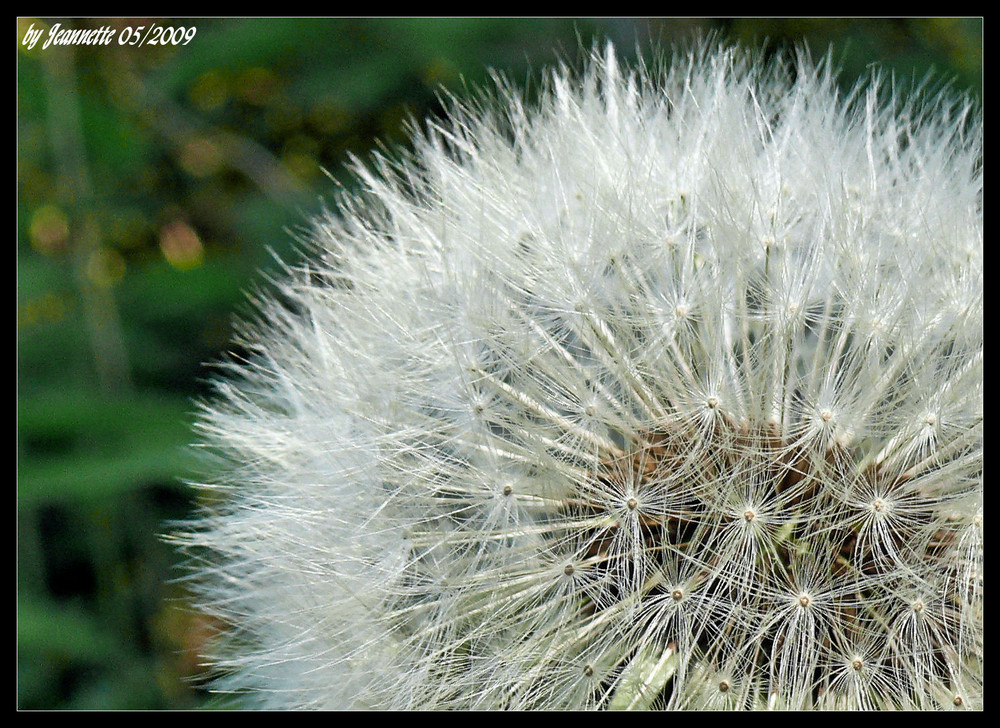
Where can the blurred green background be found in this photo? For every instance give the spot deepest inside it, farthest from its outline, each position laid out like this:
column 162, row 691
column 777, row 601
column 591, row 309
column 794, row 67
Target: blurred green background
column 158, row 185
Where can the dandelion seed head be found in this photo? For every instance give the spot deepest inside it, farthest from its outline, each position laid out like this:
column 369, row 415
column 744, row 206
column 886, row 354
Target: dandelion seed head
column 661, row 391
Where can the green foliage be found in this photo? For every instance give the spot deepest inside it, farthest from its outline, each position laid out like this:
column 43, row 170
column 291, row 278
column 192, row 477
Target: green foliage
column 156, row 187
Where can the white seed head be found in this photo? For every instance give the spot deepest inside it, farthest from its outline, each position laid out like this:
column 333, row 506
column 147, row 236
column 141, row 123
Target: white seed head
column 490, row 309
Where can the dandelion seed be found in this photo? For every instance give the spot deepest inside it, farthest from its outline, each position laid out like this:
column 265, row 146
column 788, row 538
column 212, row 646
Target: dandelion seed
column 662, row 392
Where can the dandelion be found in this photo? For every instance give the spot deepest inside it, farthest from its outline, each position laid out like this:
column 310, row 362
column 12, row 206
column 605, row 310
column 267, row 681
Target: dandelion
column 663, row 391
